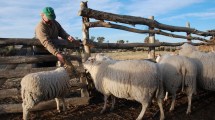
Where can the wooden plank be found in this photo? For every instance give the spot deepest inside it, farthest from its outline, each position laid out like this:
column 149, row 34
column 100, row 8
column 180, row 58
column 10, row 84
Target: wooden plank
column 33, row 59
column 21, row 73
column 100, row 15
column 132, row 45
column 14, row 92
column 17, row 108
column 31, row 42
column 121, row 27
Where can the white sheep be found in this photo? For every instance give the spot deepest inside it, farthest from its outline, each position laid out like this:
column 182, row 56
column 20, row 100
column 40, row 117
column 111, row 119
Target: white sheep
column 130, row 79
column 205, row 63
column 42, row 86
column 178, row 71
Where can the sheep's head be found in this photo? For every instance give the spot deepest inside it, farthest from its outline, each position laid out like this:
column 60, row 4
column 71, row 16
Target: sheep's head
column 89, row 63
column 102, row 57
column 186, row 49
column 70, row 69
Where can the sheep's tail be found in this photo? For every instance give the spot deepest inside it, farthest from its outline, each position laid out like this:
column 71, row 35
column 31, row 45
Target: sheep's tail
column 183, row 73
column 159, row 91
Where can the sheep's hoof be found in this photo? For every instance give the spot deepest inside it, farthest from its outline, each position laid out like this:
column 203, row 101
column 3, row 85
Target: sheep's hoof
column 111, row 109
column 188, row 112
column 102, row 111
column 162, row 118
column 171, row 109
column 58, row 111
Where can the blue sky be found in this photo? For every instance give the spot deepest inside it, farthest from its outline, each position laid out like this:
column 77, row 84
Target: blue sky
column 18, row 18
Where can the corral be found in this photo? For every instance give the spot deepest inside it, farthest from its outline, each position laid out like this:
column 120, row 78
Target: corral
column 78, row 108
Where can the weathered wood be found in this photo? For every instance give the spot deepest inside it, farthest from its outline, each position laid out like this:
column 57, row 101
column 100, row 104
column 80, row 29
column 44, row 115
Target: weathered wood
column 100, row 15
column 33, row 59
column 121, row 27
column 17, row 108
column 21, row 73
column 188, row 34
column 30, row 42
column 151, row 52
column 14, row 92
column 132, row 45
column 85, row 34
column 21, row 52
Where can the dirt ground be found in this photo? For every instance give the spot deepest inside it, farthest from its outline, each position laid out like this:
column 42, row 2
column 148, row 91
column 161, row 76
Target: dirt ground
column 203, row 108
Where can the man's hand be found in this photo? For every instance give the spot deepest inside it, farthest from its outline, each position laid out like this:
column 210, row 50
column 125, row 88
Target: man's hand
column 60, row 58
column 71, row 39
column 75, row 42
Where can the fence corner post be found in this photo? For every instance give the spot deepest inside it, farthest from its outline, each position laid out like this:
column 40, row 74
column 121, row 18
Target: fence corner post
column 85, row 37
column 188, row 34
column 151, row 52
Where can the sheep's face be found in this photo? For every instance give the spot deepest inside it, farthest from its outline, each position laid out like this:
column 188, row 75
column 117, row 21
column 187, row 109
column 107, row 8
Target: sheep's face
column 186, row 49
column 89, row 63
column 102, row 57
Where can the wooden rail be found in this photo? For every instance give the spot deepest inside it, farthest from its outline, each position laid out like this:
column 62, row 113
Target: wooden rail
column 34, row 42
column 33, row 59
column 132, row 20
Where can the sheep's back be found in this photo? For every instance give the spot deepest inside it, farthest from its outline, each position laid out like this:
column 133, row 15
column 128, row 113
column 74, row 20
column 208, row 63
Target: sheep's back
column 171, row 69
column 43, row 85
column 206, row 69
column 127, row 78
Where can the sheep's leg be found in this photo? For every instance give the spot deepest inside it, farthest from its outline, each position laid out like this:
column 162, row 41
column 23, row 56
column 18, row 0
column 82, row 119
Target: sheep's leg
column 64, row 104
column 25, row 112
column 58, row 104
column 144, row 106
column 159, row 101
column 173, row 102
column 189, row 96
column 105, row 104
column 166, row 97
column 113, row 102
column 27, row 104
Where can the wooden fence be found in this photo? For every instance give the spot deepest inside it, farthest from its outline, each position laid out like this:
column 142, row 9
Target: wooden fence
column 154, row 28
column 24, row 56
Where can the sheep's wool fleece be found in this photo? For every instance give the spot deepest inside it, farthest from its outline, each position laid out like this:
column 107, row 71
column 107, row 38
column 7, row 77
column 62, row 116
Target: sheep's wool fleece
column 172, row 73
column 205, row 64
column 45, row 85
column 130, row 79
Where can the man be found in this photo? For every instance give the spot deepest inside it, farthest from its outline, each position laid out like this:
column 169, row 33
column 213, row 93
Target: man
column 49, row 30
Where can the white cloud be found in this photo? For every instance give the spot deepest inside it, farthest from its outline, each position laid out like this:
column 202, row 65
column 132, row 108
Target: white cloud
column 199, row 15
column 156, row 7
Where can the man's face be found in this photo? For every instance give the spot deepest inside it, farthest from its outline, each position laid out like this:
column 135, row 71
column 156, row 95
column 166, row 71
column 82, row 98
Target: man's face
column 45, row 18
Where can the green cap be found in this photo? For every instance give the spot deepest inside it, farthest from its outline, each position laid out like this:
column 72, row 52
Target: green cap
column 49, row 12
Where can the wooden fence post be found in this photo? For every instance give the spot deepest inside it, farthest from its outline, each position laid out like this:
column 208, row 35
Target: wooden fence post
column 85, row 37
column 151, row 52
column 188, row 34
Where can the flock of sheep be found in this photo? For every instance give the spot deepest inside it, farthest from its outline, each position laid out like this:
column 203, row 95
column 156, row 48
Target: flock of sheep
column 139, row 80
